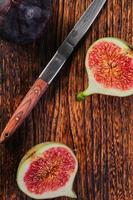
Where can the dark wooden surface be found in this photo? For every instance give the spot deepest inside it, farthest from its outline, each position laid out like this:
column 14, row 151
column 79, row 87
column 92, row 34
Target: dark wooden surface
column 99, row 130
column 24, row 109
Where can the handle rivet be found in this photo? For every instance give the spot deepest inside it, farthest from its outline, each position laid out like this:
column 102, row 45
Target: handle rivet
column 6, row 135
column 17, row 118
column 36, row 91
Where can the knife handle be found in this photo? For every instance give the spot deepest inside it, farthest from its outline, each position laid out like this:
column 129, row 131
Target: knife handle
column 25, row 107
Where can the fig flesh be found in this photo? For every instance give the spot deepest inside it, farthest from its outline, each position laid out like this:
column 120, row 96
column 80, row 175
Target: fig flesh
column 48, row 171
column 109, row 65
column 23, row 21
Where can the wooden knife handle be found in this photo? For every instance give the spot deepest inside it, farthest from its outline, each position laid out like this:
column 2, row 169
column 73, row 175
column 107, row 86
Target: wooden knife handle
column 25, row 107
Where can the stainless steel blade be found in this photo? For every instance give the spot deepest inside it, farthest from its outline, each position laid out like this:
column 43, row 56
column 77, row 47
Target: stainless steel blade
column 71, row 41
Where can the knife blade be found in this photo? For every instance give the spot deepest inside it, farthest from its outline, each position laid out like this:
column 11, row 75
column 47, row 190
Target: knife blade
column 67, row 47
column 52, row 69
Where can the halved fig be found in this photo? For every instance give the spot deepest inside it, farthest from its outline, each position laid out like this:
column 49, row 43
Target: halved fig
column 109, row 65
column 48, row 171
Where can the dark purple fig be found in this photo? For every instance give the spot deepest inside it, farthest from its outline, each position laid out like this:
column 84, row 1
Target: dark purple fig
column 23, row 21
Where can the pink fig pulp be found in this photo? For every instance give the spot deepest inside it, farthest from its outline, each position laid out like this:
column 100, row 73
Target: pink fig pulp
column 109, row 65
column 48, row 171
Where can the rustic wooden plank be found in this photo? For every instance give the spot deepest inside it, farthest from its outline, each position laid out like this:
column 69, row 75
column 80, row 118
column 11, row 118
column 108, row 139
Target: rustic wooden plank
column 99, row 130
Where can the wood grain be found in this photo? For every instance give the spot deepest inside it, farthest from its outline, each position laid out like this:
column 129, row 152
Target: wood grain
column 99, row 130
column 24, row 108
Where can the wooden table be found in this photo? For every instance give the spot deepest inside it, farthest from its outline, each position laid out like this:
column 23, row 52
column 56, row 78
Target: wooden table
column 99, row 130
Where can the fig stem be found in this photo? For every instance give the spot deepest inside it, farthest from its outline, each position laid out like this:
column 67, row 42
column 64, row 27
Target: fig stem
column 81, row 96
column 71, row 194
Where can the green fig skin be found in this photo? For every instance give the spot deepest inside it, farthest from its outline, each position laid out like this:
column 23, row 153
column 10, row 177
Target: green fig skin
column 94, row 87
column 32, row 155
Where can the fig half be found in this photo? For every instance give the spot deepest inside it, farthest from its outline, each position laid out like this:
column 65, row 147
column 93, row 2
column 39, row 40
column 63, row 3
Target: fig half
column 48, row 171
column 109, row 65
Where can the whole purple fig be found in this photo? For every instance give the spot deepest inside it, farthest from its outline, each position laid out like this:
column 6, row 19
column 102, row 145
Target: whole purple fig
column 23, row 21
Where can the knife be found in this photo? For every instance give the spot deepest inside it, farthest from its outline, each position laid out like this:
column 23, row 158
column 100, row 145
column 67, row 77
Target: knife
column 52, row 69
